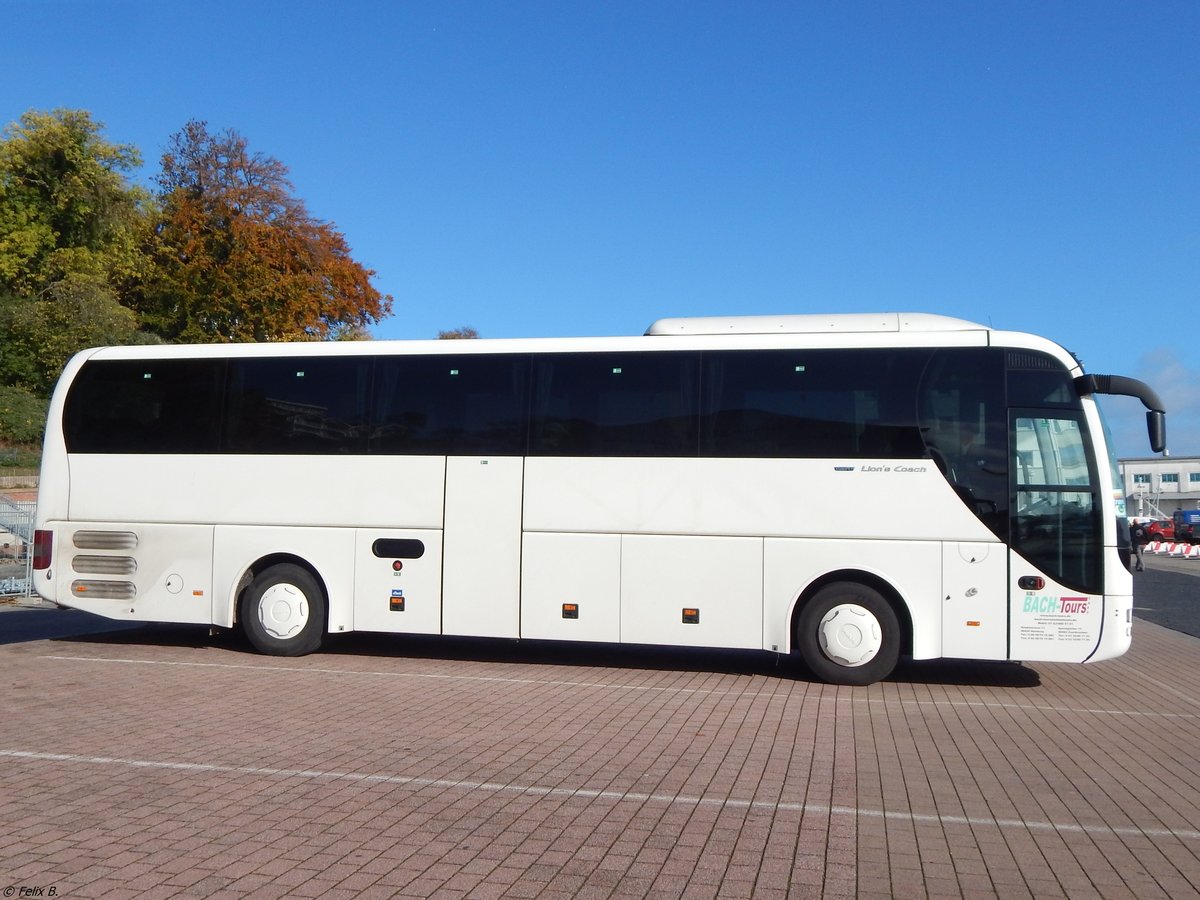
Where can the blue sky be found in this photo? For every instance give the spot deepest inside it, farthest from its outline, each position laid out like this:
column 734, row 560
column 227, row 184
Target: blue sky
column 572, row 168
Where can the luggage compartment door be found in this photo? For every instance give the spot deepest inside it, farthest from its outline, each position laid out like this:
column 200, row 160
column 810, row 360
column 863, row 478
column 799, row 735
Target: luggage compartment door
column 481, row 548
column 974, row 601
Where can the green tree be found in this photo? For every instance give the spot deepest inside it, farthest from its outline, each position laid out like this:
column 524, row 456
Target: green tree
column 71, row 229
column 22, row 416
column 239, row 258
column 65, row 199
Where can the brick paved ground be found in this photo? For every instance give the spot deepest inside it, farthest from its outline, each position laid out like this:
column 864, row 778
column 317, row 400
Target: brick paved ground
column 161, row 763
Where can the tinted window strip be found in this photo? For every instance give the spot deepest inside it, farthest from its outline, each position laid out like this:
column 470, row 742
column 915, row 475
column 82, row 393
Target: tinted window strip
column 724, row 403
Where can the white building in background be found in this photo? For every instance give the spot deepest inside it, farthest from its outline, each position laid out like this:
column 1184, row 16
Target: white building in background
column 1156, row 486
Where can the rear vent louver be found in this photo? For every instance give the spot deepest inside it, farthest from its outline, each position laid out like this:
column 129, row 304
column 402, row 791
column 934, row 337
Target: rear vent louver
column 104, row 565
column 104, row 590
column 105, row 540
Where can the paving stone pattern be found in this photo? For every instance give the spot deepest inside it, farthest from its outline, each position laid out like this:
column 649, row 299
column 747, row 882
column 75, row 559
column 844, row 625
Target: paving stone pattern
column 159, row 763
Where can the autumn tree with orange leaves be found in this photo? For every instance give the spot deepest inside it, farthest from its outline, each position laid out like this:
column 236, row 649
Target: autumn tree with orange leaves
column 237, row 257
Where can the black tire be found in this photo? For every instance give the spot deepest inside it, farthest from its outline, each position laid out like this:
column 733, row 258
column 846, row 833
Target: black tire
column 869, row 631
column 283, row 611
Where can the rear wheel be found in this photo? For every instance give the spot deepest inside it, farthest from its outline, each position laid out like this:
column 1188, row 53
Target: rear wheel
column 848, row 634
column 283, row 611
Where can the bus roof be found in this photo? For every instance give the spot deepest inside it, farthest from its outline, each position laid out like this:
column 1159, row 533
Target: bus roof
column 782, row 332
column 841, row 323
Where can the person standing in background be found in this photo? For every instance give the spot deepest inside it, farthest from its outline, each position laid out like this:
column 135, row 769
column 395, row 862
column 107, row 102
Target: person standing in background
column 1137, row 542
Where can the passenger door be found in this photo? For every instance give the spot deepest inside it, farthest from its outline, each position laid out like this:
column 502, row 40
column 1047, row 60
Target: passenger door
column 1056, row 582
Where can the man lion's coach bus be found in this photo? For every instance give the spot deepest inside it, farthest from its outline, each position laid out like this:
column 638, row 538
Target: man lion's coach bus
column 847, row 488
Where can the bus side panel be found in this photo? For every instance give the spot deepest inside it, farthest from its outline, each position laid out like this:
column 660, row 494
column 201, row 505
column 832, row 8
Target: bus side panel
column 329, row 551
column 751, row 497
column 571, row 587
column 404, row 491
column 912, row 568
column 398, row 581
column 164, row 572
column 691, row 591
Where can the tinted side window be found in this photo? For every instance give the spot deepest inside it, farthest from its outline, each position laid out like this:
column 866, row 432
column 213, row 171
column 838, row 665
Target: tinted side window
column 297, row 405
column 615, row 404
column 964, row 421
column 834, row 403
column 446, row 405
column 156, row 406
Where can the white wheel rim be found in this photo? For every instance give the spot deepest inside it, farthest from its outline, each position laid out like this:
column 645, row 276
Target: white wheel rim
column 283, row 611
column 850, row 635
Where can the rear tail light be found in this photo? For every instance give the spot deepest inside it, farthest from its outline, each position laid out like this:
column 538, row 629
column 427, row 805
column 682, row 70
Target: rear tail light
column 43, row 548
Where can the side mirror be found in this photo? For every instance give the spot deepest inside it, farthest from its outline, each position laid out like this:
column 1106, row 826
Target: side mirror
column 1156, row 425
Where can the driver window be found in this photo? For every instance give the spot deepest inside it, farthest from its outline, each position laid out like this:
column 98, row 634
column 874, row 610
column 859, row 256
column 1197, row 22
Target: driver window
column 964, row 423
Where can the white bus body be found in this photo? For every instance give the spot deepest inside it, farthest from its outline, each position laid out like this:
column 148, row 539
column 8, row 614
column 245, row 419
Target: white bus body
column 315, row 488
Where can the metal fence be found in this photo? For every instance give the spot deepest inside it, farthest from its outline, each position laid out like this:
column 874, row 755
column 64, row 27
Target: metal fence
column 16, row 547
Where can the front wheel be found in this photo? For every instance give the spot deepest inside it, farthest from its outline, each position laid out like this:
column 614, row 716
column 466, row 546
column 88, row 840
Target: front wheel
column 283, row 611
column 848, row 634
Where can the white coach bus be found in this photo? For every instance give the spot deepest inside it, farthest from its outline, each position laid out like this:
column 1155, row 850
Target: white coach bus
column 849, row 488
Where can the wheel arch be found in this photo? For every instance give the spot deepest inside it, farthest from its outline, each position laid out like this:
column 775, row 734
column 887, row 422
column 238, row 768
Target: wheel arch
column 877, row 582
column 263, row 563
